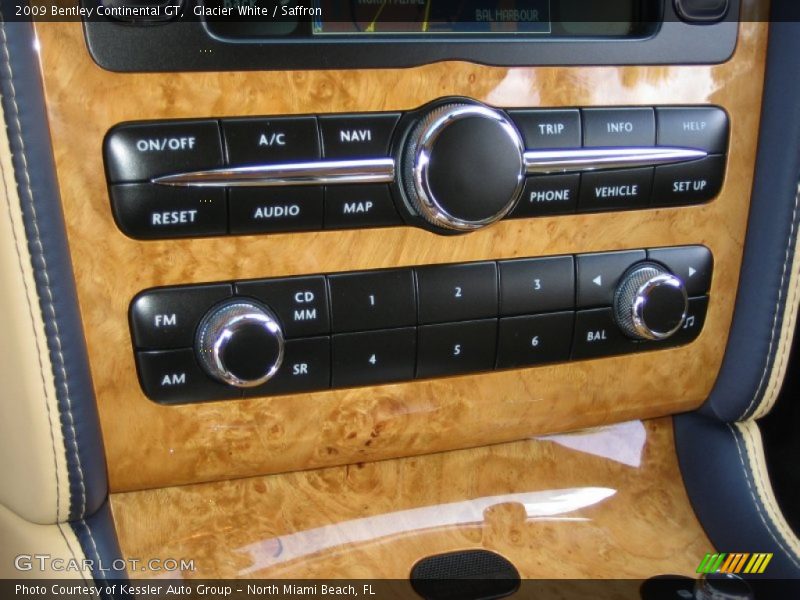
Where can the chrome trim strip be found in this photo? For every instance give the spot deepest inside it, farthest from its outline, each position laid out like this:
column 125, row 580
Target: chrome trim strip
column 321, row 172
column 543, row 162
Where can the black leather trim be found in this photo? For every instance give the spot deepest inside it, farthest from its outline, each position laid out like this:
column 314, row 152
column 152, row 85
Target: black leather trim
column 29, row 137
column 98, row 538
column 716, row 469
column 771, row 233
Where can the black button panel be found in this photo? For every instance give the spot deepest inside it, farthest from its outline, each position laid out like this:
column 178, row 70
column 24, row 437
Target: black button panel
column 137, row 152
column 391, row 325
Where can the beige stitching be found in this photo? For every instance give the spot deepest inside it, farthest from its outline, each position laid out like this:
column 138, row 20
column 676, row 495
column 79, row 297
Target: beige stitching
column 777, row 312
column 764, row 494
column 785, row 343
column 94, row 544
column 39, row 353
column 71, row 551
column 38, row 241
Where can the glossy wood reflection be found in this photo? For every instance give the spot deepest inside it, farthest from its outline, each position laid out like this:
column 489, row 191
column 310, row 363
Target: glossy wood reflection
column 552, row 511
column 149, row 445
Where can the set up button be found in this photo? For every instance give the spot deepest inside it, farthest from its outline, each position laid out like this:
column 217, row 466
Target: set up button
column 688, row 183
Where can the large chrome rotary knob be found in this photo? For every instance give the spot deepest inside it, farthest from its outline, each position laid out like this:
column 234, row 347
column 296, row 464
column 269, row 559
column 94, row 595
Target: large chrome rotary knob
column 463, row 167
column 650, row 302
column 240, row 342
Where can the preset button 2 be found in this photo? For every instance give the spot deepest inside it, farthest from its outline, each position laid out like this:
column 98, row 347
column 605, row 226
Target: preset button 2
column 457, row 292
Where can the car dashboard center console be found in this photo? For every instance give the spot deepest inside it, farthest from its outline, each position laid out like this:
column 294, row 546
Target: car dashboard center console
column 313, row 242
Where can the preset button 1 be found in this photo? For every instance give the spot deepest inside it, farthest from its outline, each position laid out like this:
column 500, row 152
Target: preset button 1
column 301, row 303
column 372, row 300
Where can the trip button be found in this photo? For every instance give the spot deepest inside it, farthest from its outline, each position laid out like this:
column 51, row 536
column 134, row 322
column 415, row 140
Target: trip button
column 374, row 357
column 613, row 127
column 173, row 377
column 372, row 300
column 548, row 128
column 598, row 275
column 275, row 209
column 274, row 140
column 702, row 127
column 692, row 264
column 357, row 136
column 301, row 303
column 534, row 339
column 608, row 190
column 533, row 285
column 453, row 348
column 457, row 292
column 147, row 211
column 354, row 206
column 306, row 367
column 141, row 151
column 548, row 195
column 597, row 334
column 167, row 318
column 688, row 183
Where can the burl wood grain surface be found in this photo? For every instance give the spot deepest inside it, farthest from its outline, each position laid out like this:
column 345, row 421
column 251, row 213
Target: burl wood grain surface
column 148, row 445
column 554, row 512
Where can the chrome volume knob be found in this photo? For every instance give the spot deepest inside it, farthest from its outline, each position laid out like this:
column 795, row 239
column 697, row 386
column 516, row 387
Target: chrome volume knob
column 240, row 342
column 650, row 302
column 462, row 167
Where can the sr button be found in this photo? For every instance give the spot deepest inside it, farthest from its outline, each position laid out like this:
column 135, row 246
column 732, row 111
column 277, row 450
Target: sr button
column 306, row 367
column 301, row 303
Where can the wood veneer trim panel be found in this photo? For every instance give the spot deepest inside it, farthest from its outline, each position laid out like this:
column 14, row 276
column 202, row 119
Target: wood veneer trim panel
column 552, row 511
column 148, row 445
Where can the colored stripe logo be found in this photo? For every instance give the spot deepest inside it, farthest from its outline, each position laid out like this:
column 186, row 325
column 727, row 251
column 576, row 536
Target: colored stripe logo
column 736, row 562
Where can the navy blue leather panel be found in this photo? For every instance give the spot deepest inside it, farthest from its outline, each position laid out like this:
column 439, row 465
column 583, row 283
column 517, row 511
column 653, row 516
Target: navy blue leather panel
column 771, row 232
column 98, row 538
column 28, row 134
column 715, row 467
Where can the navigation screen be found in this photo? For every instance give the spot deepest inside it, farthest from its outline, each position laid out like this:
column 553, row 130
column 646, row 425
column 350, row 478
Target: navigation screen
column 431, row 17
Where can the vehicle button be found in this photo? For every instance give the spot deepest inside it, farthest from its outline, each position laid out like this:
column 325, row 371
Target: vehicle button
column 701, row 11
column 174, row 377
column 607, row 190
column 372, row 300
column 147, row 211
column 374, row 357
column 457, row 292
column 141, row 151
column 357, row 136
column 597, row 334
column 167, row 318
column 534, row 285
column 598, row 275
column 688, row 183
column 702, row 127
column 275, row 209
column 534, row 339
column 611, row 127
column 548, row 195
column 692, row 264
column 689, row 331
column 301, row 303
column 548, row 128
column 274, row 140
column 352, row 206
column 452, row 348
column 306, row 367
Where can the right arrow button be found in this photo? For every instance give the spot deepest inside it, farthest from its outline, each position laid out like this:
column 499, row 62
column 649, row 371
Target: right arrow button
column 693, row 264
